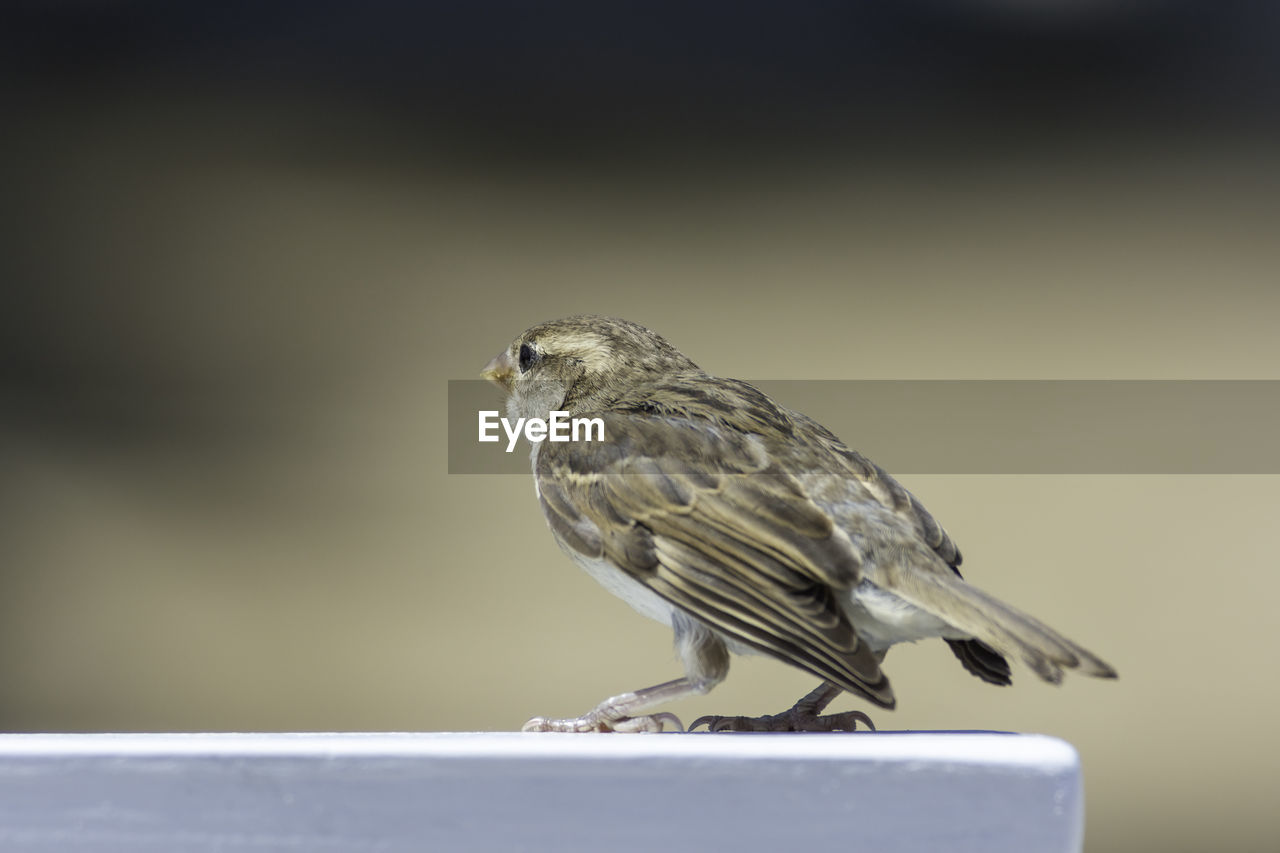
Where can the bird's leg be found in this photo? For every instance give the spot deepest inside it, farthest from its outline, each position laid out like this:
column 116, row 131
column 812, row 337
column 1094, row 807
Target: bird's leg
column 624, row 712
column 802, row 717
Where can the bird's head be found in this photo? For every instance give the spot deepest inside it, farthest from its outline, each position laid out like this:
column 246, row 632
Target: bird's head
column 579, row 364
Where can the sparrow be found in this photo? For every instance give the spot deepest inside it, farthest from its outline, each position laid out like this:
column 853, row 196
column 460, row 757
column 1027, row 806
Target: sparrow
column 748, row 528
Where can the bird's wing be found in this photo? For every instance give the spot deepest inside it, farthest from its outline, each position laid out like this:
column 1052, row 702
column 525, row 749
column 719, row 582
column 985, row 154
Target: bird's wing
column 700, row 513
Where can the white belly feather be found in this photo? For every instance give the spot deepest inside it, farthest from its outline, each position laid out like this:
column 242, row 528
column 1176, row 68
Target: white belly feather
column 882, row 618
column 630, row 590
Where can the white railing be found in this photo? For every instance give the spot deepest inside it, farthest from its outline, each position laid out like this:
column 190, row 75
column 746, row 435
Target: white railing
column 885, row 792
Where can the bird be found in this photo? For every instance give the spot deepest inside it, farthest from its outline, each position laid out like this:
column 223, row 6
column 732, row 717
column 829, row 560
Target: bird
column 748, row 528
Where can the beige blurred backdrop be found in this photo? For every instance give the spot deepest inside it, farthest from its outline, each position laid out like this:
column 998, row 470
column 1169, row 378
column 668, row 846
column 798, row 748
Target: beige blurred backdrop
column 223, row 493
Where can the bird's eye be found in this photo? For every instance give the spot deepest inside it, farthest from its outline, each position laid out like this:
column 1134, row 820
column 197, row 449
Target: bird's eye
column 528, row 355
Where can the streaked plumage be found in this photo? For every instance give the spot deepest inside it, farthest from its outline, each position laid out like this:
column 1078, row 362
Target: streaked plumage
column 747, row 527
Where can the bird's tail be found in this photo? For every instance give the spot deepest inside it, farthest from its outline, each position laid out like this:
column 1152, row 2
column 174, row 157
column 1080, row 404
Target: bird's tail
column 1004, row 628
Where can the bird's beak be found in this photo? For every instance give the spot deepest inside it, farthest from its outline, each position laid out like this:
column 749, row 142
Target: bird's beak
column 499, row 370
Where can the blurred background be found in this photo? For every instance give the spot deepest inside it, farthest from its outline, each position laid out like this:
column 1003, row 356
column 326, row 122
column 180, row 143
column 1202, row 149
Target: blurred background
column 246, row 244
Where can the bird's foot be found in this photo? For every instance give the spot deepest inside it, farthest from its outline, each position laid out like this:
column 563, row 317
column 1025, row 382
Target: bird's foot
column 793, row 720
column 611, row 715
column 592, row 722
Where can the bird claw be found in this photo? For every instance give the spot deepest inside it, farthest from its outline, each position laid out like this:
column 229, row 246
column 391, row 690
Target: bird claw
column 596, row 721
column 792, row 720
